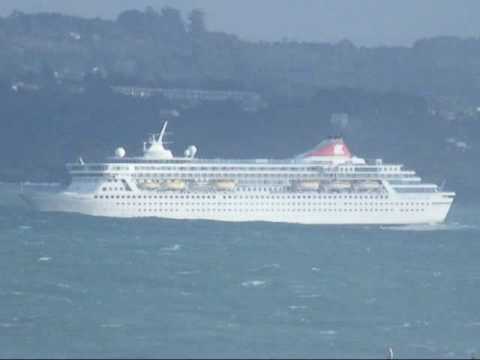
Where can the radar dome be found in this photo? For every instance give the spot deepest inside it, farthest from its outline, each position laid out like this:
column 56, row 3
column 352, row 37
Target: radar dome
column 190, row 151
column 120, row 152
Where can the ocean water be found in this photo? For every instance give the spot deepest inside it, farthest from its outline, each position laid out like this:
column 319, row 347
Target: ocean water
column 82, row 286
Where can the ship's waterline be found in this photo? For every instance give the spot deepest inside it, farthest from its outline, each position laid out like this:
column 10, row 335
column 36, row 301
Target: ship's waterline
column 327, row 185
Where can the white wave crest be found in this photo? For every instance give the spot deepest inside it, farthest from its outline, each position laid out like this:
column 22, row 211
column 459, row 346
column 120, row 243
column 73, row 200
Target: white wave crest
column 111, row 326
column 327, row 332
column 174, row 247
column 265, row 267
column 429, row 227
column 254, row 283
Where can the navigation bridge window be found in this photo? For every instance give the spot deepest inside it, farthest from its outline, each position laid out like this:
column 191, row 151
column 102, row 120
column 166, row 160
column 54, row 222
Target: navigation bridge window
column 366, row 169
column 97, row 167
column 416, row 190
column 77, row 167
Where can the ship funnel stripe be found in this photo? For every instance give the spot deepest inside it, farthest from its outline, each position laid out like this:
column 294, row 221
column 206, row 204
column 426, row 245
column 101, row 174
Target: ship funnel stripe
column 330, row 148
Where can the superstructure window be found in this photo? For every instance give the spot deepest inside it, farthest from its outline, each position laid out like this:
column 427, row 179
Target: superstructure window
column 415, row 190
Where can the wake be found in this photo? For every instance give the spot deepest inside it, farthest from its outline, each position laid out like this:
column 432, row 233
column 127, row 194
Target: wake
column 454, row 226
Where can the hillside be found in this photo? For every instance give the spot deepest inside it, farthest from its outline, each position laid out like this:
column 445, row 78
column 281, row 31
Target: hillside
column 163, row 49
column 415, row 105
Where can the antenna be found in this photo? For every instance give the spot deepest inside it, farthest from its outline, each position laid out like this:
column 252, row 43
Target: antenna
column 163, row 131
column 390, row 353
column 444, row 182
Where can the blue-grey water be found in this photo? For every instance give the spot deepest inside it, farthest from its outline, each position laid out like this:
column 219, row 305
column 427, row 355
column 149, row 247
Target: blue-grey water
column 82, row 286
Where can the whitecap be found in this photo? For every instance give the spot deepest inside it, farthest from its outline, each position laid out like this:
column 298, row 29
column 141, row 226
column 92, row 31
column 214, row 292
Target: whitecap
column 174, row 247
column 422, row 323
column 111, row 326
column 266, row 267
column 316, row 269
column 44, row 258
column 72, row 288
column 473, row 324
column 327, row 332
column 33, row 243
column 188, row 272
column 63, row 286
column 57, row 298
column 253, row 283
column 24, row 227
column 227, row 325
column 297, row 307
column 141, row 252
column 309, row 296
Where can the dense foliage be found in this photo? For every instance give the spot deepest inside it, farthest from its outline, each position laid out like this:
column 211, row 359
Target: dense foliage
column 163, row 49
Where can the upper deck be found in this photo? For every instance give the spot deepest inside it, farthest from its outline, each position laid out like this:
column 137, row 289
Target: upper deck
column 330, row 160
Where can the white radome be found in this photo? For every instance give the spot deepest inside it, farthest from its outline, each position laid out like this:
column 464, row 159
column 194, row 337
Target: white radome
column 190, row 151
column 120, row 152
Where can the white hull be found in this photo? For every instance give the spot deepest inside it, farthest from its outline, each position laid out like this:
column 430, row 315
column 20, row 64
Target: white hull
column 426, row 209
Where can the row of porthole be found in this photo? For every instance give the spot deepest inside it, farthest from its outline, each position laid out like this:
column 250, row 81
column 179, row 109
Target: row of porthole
column 400, row 205
column 320, row 197
column 273, row 209
column 276, row 210
column 261, row 204
column 239, row 197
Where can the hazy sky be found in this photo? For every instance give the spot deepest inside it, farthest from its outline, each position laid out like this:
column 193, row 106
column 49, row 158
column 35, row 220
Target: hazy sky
column 365, row 22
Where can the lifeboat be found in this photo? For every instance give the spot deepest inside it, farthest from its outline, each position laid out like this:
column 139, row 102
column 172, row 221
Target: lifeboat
column 308, row 185
column 175, row 184
column 339, row 185
column 149, row 185
column 368, row 185
column 225, row 184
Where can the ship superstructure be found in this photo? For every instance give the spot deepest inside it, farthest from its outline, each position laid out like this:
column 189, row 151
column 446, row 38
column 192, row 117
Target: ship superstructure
column 326, row 185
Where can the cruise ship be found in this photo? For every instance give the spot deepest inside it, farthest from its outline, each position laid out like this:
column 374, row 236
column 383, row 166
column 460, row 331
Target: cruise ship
column 325, row 185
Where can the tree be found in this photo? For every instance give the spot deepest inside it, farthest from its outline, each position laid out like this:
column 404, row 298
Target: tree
column 197, row 21
column 131, row 20
column 173, row 19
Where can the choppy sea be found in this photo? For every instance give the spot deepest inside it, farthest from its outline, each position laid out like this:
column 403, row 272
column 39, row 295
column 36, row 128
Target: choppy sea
column 80, row 286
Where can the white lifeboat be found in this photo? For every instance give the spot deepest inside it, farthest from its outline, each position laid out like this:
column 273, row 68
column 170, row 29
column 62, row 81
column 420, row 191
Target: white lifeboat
column 368, row 185
column 308, row 185
column 175, row 184
column 339, row 185
column 149, row 185
column 225, row 184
